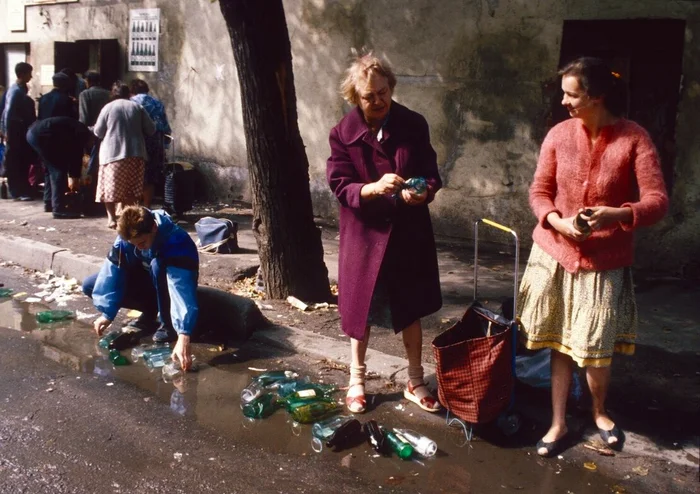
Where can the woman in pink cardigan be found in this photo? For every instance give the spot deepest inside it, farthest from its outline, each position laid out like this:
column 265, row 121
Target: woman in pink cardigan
column 577, row 291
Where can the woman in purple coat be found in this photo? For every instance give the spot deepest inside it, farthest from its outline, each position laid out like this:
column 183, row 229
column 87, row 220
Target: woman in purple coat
column 387, row 270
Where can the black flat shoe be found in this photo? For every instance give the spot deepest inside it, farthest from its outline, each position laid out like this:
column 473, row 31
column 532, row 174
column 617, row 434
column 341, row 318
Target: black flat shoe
column 606, row 435
column 552, row 448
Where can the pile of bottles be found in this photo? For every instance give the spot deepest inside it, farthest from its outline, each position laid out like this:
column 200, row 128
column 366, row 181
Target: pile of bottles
column 312, row 403
column 343, row 432
column 305, row 401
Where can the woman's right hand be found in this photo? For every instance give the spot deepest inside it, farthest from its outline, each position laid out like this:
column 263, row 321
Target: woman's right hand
column 565, row 226
column 390, row 183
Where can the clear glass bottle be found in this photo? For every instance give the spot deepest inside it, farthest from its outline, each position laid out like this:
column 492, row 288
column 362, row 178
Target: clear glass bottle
column 107, row 339
column 273, row 376
column 260, row 408
column 422, row 445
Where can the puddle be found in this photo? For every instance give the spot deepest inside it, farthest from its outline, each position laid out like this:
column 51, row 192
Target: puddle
column 211, row 398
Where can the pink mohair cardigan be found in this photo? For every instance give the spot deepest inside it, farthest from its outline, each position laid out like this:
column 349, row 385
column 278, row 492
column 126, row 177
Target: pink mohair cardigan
column 620, row 170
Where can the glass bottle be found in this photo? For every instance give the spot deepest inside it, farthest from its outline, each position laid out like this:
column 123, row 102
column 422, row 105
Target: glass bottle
column 156, row 357
column 138, row 351
column 310, row 392
column 346, row 436
column 325, row 429
column 273, row 376
column 47, row 316
column 117, row 358
column 124, row 340
column 107, row 339
column 422, row 445
column 307, row 412
column 260, row 408
column 581, row 224
column 6, row 292
column 403, row 450
column 375, row 437
column 416, row 185
column 252, row 392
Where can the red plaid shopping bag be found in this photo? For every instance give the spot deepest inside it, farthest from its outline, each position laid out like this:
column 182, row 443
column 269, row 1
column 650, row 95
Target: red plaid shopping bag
column 473, row 365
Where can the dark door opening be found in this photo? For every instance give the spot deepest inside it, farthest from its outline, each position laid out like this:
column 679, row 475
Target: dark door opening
column 648, row 54
column 102, row 55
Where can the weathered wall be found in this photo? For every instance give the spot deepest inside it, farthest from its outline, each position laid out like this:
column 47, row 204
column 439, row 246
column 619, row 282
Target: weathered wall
column 475, row 68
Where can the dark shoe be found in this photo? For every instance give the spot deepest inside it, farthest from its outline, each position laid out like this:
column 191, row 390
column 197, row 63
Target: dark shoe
column 145, row 323
column 48, row 208
column 614, row 432
column 552, row 448
column 58, row 215
column 164, row 335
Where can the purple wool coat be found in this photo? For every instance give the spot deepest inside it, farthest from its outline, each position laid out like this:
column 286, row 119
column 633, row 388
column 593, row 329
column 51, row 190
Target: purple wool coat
column 384, row 233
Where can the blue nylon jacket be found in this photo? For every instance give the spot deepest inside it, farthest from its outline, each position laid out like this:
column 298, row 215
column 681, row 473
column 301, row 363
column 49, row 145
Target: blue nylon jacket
column 176, row 249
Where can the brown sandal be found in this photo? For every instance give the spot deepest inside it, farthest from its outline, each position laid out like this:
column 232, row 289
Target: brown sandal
column 427, row 403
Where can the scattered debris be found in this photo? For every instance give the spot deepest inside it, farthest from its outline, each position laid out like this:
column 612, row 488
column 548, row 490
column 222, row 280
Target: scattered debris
column 641, row 471
column 296, row 303
column 32, row 300
column 256, row 369
column 262, row 306
column 600, row 449
column 177, row 456
column 589, row 465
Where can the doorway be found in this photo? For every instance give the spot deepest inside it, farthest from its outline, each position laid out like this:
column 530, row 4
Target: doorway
column 648, row 54
column 10, row 55
column 102, row 55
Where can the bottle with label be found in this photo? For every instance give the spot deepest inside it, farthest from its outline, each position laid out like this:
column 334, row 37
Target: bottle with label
column 252, row 392
column 402, row 449
column 260, row 408
column 580, row 223
column 311, row 392
column 308, row 412
column 422, row 445
column 376, row 437
column 48, row 316
column 117, row 358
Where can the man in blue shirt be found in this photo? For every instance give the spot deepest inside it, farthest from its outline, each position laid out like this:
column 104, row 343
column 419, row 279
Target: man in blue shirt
column 152, row 267
column 18, row 114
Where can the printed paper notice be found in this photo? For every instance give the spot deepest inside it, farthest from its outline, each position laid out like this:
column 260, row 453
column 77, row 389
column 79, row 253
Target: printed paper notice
column 144, row 30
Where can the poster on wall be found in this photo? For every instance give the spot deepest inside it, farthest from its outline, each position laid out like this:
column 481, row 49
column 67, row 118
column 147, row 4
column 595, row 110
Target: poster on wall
column 144, row 30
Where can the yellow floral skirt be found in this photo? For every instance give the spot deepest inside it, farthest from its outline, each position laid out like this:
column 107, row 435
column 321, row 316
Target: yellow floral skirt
column 588, row 315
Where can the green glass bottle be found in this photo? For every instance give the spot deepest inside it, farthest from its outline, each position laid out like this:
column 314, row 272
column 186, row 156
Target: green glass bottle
column 308, row 412
column 107, row 339
column 403, row 450
column 54, row 316
column 261, row 407
column 117, row 358
column 288, row 388
column 6, row 292
column 273, row 376
column 310, row 392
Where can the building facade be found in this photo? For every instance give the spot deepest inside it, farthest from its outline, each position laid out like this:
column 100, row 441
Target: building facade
column 483, row 72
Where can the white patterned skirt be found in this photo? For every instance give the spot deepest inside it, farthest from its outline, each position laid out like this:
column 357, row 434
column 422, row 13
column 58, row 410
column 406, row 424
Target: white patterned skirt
column 588, row 315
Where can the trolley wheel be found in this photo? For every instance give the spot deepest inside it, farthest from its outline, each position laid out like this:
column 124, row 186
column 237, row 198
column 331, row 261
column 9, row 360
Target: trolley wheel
column 509, row 423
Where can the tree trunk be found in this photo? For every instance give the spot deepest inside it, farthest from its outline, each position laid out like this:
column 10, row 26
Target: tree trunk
column 289, row 243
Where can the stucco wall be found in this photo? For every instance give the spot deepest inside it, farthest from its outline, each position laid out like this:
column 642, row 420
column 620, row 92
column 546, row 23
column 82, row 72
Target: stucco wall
column 474, row 68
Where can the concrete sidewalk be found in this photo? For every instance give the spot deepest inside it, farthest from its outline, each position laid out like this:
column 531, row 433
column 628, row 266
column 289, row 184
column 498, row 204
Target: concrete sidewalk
column 654, row 394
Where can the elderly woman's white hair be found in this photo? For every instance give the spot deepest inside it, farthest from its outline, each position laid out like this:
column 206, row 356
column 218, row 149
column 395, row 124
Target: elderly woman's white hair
column 360, row 71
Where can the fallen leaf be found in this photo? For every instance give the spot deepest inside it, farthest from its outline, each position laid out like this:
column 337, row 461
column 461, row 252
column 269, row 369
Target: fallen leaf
column 641, row 471
column 601, row 450
column 618, row 489
column 590, row 466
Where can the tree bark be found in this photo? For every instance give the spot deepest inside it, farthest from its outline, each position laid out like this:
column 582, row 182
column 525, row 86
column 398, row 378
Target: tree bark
column 289, row 243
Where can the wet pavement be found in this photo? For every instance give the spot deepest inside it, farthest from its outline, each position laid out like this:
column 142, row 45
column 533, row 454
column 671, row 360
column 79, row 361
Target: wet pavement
column 205, row 406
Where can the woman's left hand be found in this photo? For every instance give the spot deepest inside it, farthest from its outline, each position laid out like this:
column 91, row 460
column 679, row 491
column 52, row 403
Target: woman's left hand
column 604, row 216
column 412, row 198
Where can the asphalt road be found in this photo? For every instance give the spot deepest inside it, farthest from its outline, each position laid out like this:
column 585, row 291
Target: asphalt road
column 70, row 422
